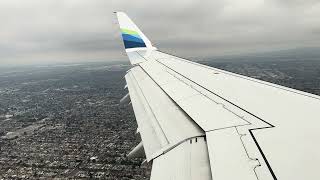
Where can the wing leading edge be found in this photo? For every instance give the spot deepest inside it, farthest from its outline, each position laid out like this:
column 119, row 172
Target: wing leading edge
column 198, row 122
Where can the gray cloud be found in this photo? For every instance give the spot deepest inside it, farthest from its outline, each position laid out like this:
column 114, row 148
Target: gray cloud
column 86, row 30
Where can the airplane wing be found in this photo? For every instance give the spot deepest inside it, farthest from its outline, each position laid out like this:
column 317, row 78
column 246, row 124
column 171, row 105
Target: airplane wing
column 198, row 122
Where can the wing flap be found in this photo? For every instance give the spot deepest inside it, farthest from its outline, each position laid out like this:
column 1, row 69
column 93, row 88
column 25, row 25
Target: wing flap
column 151, row 134
column 228, row 156
column 188, row 161
column 158, row 115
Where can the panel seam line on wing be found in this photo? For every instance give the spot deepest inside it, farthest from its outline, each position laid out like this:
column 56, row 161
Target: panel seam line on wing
column 239, row 76
column 150, row 108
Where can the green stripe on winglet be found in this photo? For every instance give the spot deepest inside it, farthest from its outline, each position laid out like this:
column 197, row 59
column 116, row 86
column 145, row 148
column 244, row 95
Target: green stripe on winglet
column 127, row 31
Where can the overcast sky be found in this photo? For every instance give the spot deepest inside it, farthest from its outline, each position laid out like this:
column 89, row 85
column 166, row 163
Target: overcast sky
column 46, row 31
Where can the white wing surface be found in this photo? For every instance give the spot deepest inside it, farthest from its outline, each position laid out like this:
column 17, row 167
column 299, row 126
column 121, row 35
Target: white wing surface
column 198, row 122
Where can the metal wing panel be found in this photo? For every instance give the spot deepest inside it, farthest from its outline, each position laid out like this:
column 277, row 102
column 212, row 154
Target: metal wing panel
column 151, row 134
column 290, row 145
column 251, row 95
column 262, row 104
column 135, row 58
column 228, row 156
column 164, row 118
column 188, row 161
column 208, row 114
column 167, row 113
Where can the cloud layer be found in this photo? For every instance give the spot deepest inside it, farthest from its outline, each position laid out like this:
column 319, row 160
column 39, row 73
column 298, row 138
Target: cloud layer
column 86, row 30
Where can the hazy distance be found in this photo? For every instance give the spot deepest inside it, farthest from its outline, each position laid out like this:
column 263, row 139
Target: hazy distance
column 50, row 31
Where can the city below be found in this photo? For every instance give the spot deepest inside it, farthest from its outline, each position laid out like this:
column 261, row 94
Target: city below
column 65, row 121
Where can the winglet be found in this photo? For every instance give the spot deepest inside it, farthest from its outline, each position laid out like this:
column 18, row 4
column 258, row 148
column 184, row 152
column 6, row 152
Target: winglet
column 133, row 38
